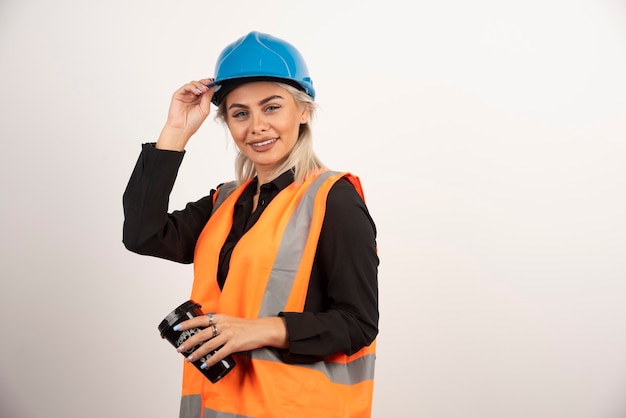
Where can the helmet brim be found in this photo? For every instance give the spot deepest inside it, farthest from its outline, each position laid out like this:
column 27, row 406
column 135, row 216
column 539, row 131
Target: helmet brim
column 228, row 85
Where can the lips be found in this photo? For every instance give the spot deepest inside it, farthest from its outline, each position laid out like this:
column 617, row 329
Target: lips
column 264, row 143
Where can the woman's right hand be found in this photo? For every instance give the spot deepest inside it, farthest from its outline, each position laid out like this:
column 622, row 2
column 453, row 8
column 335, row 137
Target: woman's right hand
column 190, row 106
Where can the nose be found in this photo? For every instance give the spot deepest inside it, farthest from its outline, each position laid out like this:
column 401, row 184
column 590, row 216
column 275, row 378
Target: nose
column 259, row 123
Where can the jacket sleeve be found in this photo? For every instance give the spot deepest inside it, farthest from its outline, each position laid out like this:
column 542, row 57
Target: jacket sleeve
column 346, row 263
column 148, row 227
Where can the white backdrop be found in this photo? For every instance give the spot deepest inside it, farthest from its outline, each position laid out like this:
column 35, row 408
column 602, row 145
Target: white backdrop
column 490, row 140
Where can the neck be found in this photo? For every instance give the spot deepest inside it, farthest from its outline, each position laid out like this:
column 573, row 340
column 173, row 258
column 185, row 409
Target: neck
column 263, row 178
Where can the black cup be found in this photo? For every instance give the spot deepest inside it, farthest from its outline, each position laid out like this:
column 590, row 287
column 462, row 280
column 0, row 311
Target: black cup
column 184, row 312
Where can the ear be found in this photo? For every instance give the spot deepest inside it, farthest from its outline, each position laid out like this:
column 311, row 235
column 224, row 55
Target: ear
column 304, row 116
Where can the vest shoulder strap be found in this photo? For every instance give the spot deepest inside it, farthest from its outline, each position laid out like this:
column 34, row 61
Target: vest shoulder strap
column 222, row 193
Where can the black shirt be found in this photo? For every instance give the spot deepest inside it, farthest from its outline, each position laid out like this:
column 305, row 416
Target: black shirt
column 341, row 307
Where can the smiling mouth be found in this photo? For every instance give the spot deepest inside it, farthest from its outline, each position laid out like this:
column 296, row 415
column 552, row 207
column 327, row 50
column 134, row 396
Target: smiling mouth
column 262, row 143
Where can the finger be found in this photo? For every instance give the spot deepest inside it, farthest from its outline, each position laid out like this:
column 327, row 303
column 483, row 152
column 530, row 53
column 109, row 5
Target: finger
column 216, row 356
column 198, row 338
column 196, row 322
column 206, row 348
column 197, row 88
column 187, row 88
column 192, row 90
column 205, row 100
column 206, row 323
column 201, row 90
column 212, row 352
column 203, row 85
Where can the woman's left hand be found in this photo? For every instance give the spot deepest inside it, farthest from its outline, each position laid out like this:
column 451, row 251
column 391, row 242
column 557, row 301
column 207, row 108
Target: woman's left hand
column 233, row 335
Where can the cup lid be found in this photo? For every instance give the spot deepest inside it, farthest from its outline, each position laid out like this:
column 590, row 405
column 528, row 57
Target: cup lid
column 177, row 314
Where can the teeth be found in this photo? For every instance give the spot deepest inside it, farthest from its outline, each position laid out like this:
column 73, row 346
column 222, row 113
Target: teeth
column 260, row 144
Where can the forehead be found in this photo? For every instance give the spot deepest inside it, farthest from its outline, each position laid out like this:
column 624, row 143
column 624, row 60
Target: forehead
column 255, row 91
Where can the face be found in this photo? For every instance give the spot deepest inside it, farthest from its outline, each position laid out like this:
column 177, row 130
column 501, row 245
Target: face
column 264, row 120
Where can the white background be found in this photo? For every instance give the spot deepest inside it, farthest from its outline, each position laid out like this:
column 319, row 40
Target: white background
column 490, row 140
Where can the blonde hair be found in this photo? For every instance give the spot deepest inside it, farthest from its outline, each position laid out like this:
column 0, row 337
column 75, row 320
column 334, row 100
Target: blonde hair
column 302, row 159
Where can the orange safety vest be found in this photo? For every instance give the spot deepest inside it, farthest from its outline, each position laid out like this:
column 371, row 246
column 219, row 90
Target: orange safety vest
column 269, row 272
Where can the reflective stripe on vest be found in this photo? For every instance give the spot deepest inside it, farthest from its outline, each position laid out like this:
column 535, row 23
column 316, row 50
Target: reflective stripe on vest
column 348, row 373
column 283, row 291
column 191, row 407
column 290, row 251
column 222, row 193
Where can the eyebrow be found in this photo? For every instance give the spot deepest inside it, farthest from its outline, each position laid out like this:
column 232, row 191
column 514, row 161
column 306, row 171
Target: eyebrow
column 261, row 103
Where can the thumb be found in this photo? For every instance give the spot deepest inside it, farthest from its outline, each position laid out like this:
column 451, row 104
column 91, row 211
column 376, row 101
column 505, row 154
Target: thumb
column 205, row 102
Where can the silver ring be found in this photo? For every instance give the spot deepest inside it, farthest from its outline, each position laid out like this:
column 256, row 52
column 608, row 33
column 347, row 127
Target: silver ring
column 214, row 331
column 210, row 315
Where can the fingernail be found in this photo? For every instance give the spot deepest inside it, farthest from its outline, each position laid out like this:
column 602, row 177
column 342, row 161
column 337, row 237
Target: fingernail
column 203, row 366
column 180, row 348
column 177, row 327
column 190, row 358
column 198, row 90
column 219, row 86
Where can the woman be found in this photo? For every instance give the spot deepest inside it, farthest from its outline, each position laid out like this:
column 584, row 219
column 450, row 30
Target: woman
column 284, row 257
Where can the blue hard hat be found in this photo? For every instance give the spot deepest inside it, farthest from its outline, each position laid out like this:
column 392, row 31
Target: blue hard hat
column 257, row 57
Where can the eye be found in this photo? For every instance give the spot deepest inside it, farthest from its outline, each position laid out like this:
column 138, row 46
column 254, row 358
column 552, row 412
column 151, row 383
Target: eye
column 239, row 114
column 272, row 107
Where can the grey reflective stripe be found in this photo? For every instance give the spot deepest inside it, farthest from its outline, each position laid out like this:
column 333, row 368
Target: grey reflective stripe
column 224, row 191
column 191, row 406
column 290, row 251
column 210, row 413
column 356, row 371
